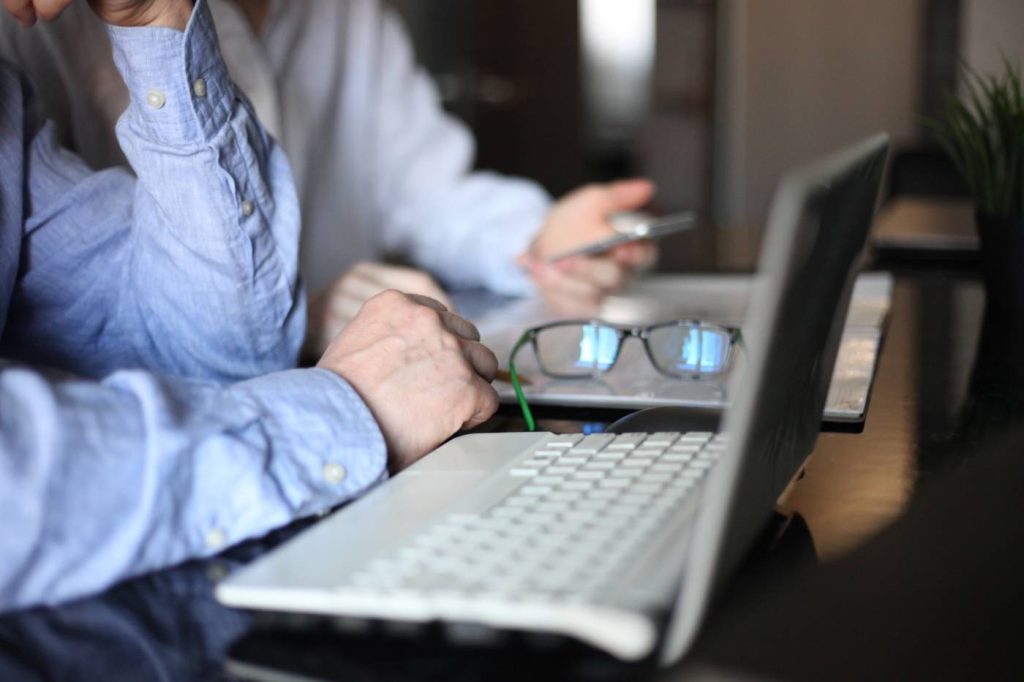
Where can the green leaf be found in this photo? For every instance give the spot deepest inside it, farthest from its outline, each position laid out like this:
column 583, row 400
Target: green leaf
column 983, row 134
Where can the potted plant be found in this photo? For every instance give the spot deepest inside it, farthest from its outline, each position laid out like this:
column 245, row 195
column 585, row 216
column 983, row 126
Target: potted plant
column 983, row 132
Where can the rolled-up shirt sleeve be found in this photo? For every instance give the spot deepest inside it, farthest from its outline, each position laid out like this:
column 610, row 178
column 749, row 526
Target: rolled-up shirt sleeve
column 190, row 267
column 104, row 481
column 465, row 226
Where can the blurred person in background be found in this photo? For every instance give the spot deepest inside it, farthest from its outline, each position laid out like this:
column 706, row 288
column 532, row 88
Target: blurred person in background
column 382, row 171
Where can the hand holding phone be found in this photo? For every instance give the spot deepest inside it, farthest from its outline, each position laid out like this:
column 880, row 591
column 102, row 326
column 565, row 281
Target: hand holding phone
column 632, row 227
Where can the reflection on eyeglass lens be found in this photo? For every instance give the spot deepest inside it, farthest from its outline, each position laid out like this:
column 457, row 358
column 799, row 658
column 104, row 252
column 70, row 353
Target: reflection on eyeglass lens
column 577, row 349
column 598, row 347
column 689, row 349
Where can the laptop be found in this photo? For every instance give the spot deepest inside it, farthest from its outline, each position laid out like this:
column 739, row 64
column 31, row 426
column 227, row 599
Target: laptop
column 616, row 540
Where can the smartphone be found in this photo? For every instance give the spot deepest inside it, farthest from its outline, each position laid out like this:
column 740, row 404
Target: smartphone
column 632, row 227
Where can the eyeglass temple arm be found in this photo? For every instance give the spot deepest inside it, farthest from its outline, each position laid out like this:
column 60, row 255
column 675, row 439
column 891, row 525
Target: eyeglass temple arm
column 514, row 378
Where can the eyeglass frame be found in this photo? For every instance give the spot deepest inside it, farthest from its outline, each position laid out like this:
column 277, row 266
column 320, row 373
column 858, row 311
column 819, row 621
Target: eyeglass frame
column 624, row 332
column 734, row 334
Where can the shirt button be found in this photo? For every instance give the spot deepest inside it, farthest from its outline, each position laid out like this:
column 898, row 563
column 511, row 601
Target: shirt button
column 334, row 473
column 216, row 538
column 199, row 87
column 247, row 208
column 155, row 99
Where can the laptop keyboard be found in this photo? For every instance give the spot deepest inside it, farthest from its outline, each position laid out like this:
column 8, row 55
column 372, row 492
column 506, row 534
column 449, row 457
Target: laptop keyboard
column 585, row 509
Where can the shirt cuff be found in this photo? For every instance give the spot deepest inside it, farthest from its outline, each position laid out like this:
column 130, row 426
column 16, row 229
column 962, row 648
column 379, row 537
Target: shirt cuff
column 326, row 445
column 180, row 89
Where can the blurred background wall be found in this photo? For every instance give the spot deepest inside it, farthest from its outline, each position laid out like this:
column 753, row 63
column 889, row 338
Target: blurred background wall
column 991, row 29
column 804, row 76
column 714, row 99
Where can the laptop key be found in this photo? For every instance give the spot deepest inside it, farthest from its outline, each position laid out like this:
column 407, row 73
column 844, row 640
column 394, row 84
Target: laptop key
column 676, row 457
column 566, row 441
column 593, row 443
column 588, row 475
column 627, row 441
column 661, row 439
column 598, row 466
column 577, row 485
column 667, row 467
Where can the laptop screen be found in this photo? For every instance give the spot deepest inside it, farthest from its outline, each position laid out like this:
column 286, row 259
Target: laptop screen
column 814, row 240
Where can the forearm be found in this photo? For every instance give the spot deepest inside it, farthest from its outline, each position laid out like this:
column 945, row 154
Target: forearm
column 465, row 227
column 216, row 218
column 191, row 270
column 106, row 481
column 470, row 232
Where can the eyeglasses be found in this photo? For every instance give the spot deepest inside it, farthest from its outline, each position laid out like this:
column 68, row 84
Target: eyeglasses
column 586, row 349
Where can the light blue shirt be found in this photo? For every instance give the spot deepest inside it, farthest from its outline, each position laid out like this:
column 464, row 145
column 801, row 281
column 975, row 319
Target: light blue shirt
column 126, row 307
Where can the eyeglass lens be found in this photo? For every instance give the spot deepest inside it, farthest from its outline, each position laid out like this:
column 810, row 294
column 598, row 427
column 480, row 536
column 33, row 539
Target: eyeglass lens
column 689, row 349
column 577, row 350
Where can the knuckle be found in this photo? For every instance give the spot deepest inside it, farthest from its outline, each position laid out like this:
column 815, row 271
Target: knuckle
column 422, row 316
column 456, row 363
column 450, row 344
column 393, row 346
column 490, row 399
column 389, row 298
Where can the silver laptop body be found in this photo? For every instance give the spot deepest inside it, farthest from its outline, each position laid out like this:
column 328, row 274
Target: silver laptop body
column 618, row 541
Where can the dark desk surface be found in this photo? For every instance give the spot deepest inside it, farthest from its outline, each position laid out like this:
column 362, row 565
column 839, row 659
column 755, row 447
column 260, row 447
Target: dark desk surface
column 910, row 568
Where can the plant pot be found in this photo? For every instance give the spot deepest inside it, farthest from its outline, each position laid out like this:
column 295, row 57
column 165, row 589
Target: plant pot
column 1002, row 265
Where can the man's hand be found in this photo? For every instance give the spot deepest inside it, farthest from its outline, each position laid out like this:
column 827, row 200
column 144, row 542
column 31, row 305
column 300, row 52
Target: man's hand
column 577, row 285
column 420, row 369
column 334, row 307
column 131, row 13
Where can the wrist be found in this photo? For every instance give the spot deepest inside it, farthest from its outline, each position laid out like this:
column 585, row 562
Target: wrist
column 175, row 14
